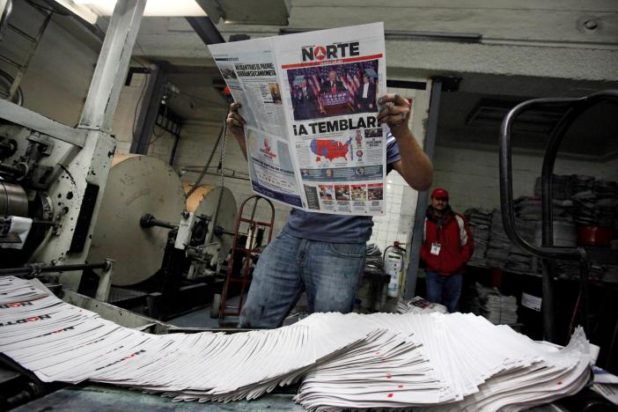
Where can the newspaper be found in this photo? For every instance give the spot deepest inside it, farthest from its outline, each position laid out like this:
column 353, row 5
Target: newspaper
column 455, row 362
column 310, row 103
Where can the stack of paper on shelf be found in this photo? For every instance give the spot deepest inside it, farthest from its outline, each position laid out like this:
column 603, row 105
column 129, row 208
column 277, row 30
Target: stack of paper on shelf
column 499, row 309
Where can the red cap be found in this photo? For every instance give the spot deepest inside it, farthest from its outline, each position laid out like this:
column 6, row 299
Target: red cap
column 439, row 193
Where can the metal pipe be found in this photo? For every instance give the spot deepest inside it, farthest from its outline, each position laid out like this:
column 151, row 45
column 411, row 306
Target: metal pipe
column 13, row 200
column 20, row 74
column 112, row 66
column 35, row 268
column 547, row 221
column 422, row 201
column 506, row 188
column 149, row 110
column 206, row 30
column 434, row 36
column 506, row 169
column 575, row 106
column 547, row 229
column 174, row 148
column 149, row 220
column 10, row 61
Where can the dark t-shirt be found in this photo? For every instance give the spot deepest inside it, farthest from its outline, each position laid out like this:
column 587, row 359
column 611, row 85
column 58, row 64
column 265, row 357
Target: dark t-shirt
column 337, row 228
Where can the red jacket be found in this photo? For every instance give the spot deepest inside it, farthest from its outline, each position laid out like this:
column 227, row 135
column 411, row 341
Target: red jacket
column 451, row 231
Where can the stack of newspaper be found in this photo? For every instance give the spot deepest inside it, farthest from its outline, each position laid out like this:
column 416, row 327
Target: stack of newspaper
column 499, row 309
column 473, row 365
column 456, row 361
column 61, row 342
column 419, row 305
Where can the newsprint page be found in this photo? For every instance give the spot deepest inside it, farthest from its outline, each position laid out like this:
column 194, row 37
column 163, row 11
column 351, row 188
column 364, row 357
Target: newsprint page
column 310, row 103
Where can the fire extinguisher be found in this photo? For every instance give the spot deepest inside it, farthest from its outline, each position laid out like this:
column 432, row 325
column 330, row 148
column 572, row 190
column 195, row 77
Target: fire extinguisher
column 393, row 266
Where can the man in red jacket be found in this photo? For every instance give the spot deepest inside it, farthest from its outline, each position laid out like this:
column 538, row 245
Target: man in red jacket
column 447, row 247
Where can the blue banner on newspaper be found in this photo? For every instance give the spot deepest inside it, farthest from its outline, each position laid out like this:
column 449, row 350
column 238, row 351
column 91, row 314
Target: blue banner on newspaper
column 282, row 197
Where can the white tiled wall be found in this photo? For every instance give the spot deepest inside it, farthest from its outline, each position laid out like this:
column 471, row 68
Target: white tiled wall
column 393, row 225
column 396, row 224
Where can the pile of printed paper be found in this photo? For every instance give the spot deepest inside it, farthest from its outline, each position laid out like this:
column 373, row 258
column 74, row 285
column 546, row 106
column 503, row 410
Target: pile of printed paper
column 419, row 305
column 480, row 226
column 493, row 305
column 453, row 362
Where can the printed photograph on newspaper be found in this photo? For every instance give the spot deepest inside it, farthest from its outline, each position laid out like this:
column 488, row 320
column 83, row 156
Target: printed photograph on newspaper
column 331, row 81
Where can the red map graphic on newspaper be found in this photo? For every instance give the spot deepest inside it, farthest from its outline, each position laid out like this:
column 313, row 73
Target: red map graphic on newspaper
column 330, row 149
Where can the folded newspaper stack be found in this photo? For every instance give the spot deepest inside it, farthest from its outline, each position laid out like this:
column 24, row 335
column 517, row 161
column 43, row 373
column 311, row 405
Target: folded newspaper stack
column 419, row 305
column 449, row 362
column 499, row 309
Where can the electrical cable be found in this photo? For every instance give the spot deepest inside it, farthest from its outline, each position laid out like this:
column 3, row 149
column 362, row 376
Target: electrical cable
column 157, row 136
column 164, row 114
column 222, row 134
column 222, row 157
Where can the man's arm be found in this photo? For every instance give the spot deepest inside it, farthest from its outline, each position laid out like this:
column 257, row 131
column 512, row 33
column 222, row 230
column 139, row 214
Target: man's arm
column 414, row 166
column 236, row 126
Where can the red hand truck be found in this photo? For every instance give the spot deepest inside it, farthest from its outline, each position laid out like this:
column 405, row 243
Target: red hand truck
column 248, row 247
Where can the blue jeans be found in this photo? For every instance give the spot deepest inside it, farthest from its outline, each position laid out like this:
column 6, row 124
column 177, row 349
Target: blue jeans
column 444, row 289
column 329, row 273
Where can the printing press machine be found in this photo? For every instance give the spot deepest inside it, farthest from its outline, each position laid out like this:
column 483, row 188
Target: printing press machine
column 103, row 231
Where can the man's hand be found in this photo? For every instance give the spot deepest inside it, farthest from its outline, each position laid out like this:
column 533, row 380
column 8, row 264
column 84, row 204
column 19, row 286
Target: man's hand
column 236, row 126
column 235, row 122
column 395, row 113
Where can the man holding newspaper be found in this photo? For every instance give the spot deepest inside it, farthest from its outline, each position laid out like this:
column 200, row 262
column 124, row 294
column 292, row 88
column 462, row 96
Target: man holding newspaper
column 324, row 254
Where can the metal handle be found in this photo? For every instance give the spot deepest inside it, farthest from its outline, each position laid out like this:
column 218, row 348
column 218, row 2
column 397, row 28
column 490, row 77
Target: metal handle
column 574, row 107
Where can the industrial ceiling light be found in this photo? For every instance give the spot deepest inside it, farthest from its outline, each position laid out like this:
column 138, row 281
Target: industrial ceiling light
column 180, row 8
column 89, row 10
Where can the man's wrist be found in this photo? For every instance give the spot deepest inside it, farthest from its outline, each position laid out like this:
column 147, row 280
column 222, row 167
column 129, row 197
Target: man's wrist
column 239, row 137
column 401, row 131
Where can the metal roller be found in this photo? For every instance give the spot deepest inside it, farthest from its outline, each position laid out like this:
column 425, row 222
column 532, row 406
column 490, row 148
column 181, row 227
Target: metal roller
column 136, row 185
column 220, row 205
column 13, row 200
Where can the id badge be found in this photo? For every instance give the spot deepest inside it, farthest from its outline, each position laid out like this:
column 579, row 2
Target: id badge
column 435, row 248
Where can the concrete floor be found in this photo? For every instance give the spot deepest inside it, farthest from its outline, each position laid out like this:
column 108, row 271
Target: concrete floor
column 201, row 318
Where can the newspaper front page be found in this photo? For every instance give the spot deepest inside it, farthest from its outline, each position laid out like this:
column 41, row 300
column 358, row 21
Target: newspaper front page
column 310, row 102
